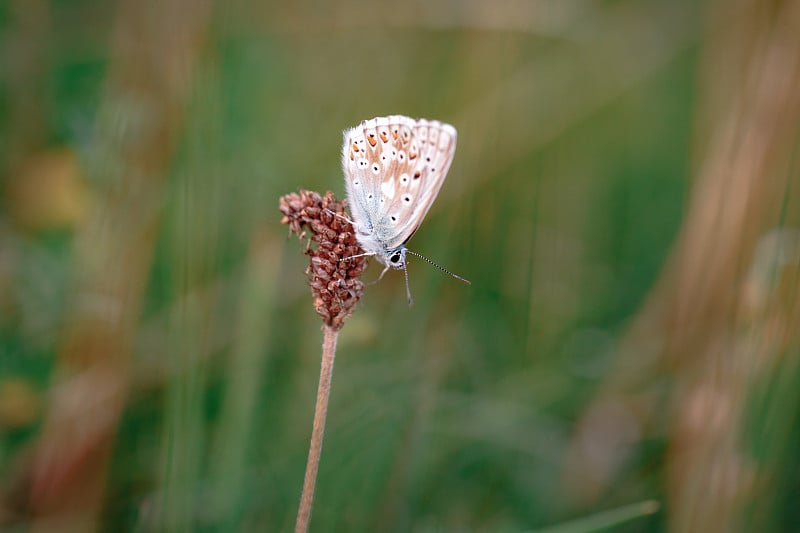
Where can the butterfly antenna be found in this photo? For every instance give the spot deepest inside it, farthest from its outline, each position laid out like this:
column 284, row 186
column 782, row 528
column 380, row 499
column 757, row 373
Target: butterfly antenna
column 459, row 278
column 408, row 288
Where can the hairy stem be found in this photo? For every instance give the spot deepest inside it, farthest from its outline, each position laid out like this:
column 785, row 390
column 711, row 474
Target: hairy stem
column 320, row 413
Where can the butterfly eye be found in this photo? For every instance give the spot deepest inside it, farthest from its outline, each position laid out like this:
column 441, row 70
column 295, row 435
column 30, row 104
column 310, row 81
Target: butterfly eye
column 395, row 258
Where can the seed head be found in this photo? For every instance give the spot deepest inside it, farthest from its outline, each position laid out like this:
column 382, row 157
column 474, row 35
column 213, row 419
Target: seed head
column 334, row 272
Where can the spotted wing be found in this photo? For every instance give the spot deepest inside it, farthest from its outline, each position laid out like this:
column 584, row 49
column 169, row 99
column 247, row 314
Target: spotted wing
column 395, row 167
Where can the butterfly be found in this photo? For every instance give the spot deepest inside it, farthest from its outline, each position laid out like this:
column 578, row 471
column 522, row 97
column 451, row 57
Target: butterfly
column 394, row 167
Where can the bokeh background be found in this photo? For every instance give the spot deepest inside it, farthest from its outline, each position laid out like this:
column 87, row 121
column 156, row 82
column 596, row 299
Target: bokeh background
column 624, row 198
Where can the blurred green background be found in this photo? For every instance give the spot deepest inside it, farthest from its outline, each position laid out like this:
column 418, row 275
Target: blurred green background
column 624, row 199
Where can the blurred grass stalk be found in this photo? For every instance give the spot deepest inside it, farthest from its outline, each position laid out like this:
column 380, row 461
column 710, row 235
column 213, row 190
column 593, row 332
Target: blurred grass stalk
column 245, row 371
column 729, row 328
column 605, row 520
column 720, row 326
column 155, row 45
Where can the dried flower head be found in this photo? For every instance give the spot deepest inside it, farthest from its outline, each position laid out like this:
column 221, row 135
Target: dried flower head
column 334, row 273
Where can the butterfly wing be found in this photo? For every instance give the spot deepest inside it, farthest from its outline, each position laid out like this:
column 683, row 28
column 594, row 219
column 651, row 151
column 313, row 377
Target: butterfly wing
column 394, row 168
column 364, row 166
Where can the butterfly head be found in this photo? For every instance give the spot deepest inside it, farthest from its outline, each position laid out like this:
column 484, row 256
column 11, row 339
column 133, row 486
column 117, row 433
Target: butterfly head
column 396, row 258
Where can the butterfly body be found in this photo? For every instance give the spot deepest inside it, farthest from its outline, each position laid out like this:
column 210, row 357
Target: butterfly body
column 394, row 167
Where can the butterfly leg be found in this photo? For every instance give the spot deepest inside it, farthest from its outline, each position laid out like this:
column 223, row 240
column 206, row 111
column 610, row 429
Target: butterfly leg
column 408, row 287
column 343, row 217
column 379, row 277
column 358, row 255
column 382, row 273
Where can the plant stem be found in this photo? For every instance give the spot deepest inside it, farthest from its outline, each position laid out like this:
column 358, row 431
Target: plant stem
column 320, row 413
